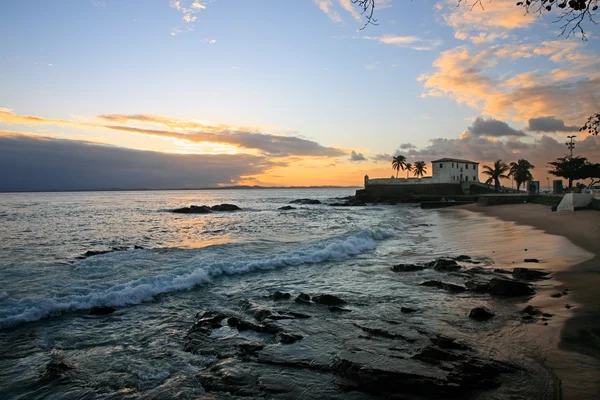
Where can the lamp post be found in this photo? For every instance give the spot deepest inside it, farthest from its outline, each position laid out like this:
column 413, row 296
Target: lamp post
column 548, row 179
column 570, row 144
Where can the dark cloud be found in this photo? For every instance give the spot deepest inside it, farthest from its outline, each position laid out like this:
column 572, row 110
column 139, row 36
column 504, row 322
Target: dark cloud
column 354, row 156
column 549, row 124
column 382, row 157
column 39, row 164
column 405, row 146
column 492, row 127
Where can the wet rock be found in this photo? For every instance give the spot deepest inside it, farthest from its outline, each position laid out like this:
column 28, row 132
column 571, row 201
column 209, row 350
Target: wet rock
column 509, row 287
column 383, row 333
column 339, row 309
column 556, row 295
column 207, row 320
column 407, row 267
column 448, row 343
column 262, row 314
column 531, row 310
column 434, row 355
column 328, row 300
column 477, row 286
column 408, row 310
column 531, row 260
column 450, row 287
column 547, row 315
column 229, row 376
column 527, row 318
column 303, row 298
column 305, row 201
column 56, row 369
column 481, row 314
column 462, row 258
column 225, row 207
column 277, row 295
column 529, row 274
column 250, row 348
column 91, row 253
column 349, row 202
column 192, row 210
column 287, row 338
column 444, row 265
column 568, row 306
column 137, row 247
column 285, row 208
column 102, row 310
column 298, row 315
column 501, row 271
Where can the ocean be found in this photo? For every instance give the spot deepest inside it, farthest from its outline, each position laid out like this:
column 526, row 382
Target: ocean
column 163, row 272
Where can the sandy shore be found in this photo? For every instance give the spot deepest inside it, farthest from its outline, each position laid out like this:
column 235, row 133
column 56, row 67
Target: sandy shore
column 582, row 332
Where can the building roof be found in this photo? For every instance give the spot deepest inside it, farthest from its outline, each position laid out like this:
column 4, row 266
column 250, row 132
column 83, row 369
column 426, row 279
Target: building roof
column 455, row 160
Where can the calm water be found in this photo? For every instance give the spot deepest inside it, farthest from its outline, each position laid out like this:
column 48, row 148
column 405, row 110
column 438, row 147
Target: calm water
column 192, row 262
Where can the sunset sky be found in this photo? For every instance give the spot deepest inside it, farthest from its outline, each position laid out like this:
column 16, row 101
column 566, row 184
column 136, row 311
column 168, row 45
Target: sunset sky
column 190, row 93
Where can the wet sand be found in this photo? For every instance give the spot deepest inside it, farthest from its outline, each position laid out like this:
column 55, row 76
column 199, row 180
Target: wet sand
column 581, row 332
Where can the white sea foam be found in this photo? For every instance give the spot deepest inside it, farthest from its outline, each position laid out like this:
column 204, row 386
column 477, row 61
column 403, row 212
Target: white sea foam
column 145, row 288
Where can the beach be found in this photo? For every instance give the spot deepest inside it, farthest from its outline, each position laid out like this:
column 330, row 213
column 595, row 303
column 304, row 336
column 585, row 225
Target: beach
column 581, row 331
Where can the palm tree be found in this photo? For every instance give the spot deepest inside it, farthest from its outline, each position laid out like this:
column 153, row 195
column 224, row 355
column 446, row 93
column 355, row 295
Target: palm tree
column 398, row 163
column 520, row 172
column 420, row 168
column 408, row 167
column 495, row 173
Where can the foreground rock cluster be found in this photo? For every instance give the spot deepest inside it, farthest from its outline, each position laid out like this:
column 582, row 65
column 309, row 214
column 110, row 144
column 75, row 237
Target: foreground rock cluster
column 206, row 209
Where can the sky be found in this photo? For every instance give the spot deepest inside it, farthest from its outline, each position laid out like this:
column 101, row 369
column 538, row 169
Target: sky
column 113, row 94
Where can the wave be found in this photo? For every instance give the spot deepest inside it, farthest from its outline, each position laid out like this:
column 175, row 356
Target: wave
column 145, row 288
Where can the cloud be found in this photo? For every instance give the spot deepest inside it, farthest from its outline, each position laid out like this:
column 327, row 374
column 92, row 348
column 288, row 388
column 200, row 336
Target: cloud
column 187, row 8
column 492, row 127
column 412, row 42
column 42, row 164
column 348, row 6
column 327, row 7
column 190, row 131
column 549, row 124
column 382, row 157
column 405, row 146
column 477, row 78
column 354, row 156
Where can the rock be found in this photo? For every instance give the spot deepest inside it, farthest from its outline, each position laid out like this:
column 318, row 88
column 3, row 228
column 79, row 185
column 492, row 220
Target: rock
column 448, row 343
column 277, row 295
column 383, row 333
column 338, row 309
column 56, row 369
column 328, row 300
column 298, row 315
column 91, row 253
column 136, row 247
column 527, row 318
column 225, row 207
column 556, row 295
column 192, row 210
column 407, row 267
column 434, row 355
column 481, row 314
column 477, row 286
column 408, row 310
column 444, row 265
column 531, row 260
column 262, row 314
column 305, row 201
column 567, row 306
column 547, row 315
column 249, row 348
column 509, row 287
column 462, row 258
column 287, row 338
column 501, row 271
column 102, row 310
column 443, row 285
column 528, row 274
column 285, row 208
column 531, row 310
column 303, row 298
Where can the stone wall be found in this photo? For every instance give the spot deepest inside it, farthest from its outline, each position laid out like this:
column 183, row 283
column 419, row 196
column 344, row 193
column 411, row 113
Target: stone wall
column 397, row 192
column 497, row 199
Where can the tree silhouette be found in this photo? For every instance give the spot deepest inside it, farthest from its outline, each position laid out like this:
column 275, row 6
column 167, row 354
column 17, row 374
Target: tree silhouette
column 520, row 172
column 419, row 169
column 495, row 173
column 408, row 167
column 398, row 163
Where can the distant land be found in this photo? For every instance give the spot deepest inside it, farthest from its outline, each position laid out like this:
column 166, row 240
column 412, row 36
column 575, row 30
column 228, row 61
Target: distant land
column 240, row 187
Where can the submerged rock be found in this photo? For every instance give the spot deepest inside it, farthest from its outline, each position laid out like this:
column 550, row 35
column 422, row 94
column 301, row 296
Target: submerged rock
column 531, row 260
column 285, row 208
column 408, row 310
column 434, row 355
column 509, row 287
column 462, row 258
column 192, row 210
column 303, row 298
column 287, row 338
column 305, row 201
column 407, row 267
column 477, row 286
column 91, row 253
column 56, row 369
column 529, row 274
column 481, row 314
column 531, row 310
column 225, row 207
column 277, row 295
column 444, row 265
column 444, row 285
column 102, row 310
column 328, row 300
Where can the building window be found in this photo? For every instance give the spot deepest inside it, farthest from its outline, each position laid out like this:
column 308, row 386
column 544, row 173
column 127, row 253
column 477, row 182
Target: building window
column 474, row 178
column 441, row 165
column 466, row 178
column 452, row 165
column 467, row 166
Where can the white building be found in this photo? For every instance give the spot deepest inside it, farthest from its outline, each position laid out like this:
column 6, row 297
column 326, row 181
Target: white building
column 454, row 170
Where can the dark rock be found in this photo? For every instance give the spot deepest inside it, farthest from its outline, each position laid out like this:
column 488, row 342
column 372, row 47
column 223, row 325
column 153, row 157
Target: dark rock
column 408, row 310
column 328, row 300
column 556, row 295
column 102, row 310
column 444, row 265
column 531, row 310
column 285, row 208
column 528, row 274
column 91, row 253
column 501, row 271
column 527, row 318
column 462, row 258
column 280, row 296
column 287, row 338
column 477, row 286
column 547, row 315
column 448, row 343
column 56, row 369
column 481, row 314
column 305, row 201
column 249, row 348
column 383, row 333
column 446, row 286
column 407, row 267
column 298, row 315
column 208, row 320
column 434, row 355
column 262, row 314
column 303, row 298
column 137, row 247
column 567, row 306
column 192, row 210
column 531, row 260
column 225, row 207
column 338, row 309
column 509, row 287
